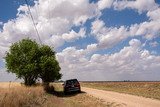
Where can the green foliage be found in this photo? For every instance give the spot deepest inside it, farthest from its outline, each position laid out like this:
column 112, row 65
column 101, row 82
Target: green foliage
column 30, row 61
column 48, row 64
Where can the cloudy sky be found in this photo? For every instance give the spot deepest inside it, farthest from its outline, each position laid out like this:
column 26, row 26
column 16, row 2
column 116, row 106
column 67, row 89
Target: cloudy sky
column 94, row 39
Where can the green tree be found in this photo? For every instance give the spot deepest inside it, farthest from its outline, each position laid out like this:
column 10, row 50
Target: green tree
column 49, row 66
column 30, row 61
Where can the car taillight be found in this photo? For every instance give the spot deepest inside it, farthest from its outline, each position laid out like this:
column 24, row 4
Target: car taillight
column 77, row 84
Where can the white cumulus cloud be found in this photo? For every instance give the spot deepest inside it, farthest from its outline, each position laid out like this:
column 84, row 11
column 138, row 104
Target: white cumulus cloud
column 139, row 5
column 53, row 19
column 102, row 4
column 131, row 60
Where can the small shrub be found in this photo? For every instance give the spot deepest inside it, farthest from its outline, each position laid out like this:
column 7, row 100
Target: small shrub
column 48, row 88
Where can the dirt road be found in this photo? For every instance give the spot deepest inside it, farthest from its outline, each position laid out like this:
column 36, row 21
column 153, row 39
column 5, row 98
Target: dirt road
column 121, row 100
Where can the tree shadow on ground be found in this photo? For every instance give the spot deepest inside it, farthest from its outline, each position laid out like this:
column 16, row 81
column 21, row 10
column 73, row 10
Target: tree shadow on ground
column 62, row 94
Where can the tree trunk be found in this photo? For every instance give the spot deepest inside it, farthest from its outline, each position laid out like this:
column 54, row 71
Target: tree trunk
column 46, row 86
column 28, row 81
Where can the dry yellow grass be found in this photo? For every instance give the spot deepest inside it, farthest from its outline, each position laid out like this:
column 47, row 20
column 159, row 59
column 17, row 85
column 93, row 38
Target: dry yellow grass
column 9, row 84
column 15, row 95
column 26, row 97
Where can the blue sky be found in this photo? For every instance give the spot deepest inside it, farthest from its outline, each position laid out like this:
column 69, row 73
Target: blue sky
column 94, row 40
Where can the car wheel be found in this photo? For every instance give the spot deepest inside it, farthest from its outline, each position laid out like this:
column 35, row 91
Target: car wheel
column 65, row 92
column 79, row 91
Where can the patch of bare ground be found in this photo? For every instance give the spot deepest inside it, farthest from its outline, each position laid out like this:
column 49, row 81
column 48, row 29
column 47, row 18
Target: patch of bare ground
column 121, row 99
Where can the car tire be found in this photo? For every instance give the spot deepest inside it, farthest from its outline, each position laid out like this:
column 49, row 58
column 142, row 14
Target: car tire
column 79, row 91
column 65, row 93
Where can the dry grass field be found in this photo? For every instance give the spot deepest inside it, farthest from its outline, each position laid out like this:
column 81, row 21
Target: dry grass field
column 145, row 89
column 15, row 95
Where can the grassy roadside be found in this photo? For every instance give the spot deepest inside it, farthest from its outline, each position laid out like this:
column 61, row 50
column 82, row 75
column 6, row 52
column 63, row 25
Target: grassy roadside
column 145, row 89
column 15, row 95
column 21, row 96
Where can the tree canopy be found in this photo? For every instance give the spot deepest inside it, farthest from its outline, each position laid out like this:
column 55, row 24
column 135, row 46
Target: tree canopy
column 48, row 64
column 30, row 61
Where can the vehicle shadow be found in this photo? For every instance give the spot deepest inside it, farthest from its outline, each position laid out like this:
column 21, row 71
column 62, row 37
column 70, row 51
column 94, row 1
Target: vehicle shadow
column 62, row 94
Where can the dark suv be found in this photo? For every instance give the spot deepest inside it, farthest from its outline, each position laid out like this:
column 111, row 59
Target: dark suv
column 71, row 85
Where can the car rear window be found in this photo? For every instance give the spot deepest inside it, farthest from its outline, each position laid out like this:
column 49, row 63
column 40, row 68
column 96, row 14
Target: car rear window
column 71, row 82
